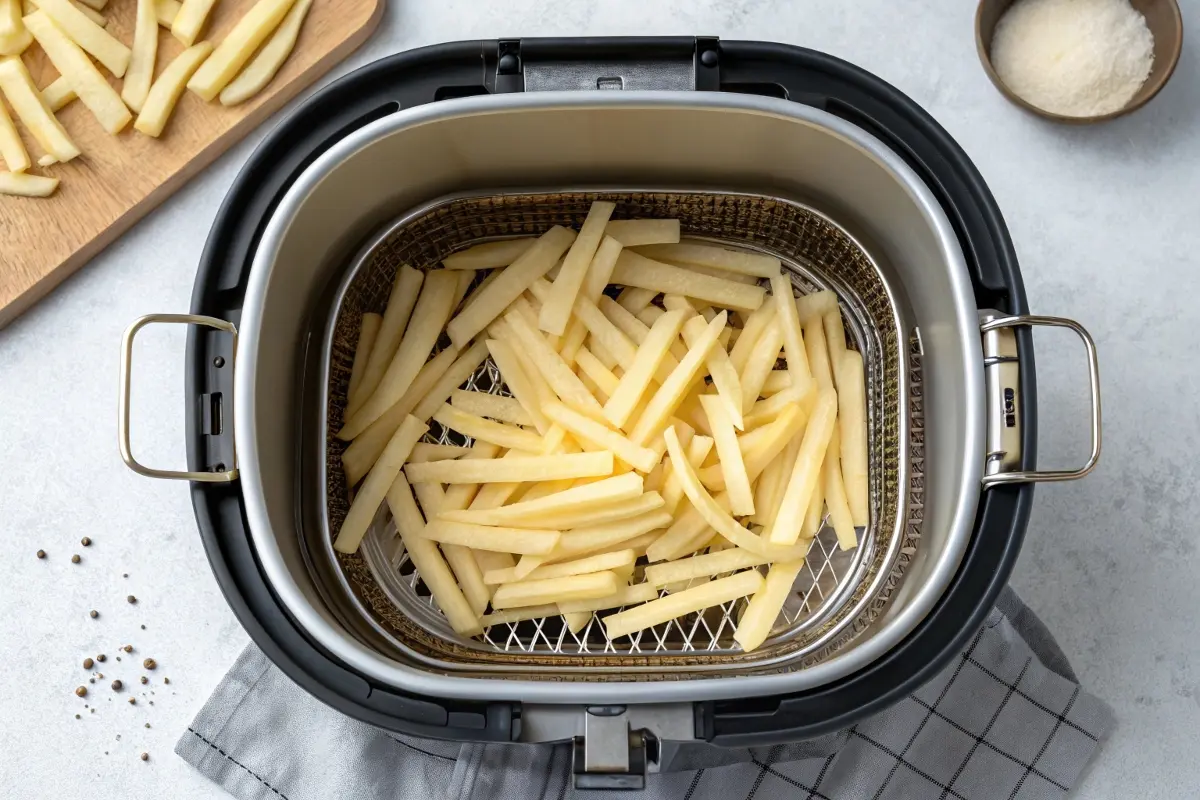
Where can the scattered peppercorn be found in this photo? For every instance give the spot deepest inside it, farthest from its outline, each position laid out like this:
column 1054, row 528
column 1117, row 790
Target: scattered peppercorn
column 41, row 553
column 132, row 701
column 149, row 663
column 143, row 627
column 93, row 613
column 116, row 685
column 101, row 657
column 86, row 542
column 77, row 716
column 144, row 679
column 147, row 724
column 75, row 559
column 87, row 663
column 127, row 648
column 166, row 680
column 81, row 691
column 131, row 599
column 91, row 680
column 92, row 711
column 144, row 756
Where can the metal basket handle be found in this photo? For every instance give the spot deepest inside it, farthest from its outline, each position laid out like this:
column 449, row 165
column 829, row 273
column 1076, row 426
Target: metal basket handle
column 126, row 383
column 1004, row 423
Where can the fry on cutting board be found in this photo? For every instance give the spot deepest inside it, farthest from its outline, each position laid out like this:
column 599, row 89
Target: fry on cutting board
column 97, row 42
column 93, row 90
column 166, row 89
column 237, row 47
column 12, row 150
column 189, row 19
column 262, row 68
column 25, row 185
column 141, row 63
column 31, row 109
column 14, row 38
column 58, row 93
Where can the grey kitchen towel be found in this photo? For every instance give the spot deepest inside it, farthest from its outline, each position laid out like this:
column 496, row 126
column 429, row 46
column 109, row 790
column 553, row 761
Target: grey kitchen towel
column 1005, row 719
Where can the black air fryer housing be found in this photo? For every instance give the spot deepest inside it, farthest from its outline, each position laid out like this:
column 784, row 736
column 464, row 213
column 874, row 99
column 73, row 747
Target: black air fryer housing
column 460, row 69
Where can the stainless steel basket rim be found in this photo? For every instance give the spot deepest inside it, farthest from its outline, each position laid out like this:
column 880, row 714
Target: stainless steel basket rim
column 319, row 623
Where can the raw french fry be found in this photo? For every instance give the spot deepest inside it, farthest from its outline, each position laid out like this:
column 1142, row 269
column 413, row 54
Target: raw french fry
column 835, row 495
column 514, row 615
column 625, row 596
column 851, row 394
column 640, row 373
column 466, row 569
column 189, row 19
column 636, row 270
column 262, row 68
column 85, row 33
column 14, row 38
column 817, row 304
column 403, row 296
column 668, row 608
column 519, row 382
column 607, row 535
column 424, row 451
column 589, row 496
column 785, row 463
column 603, row 354
column 504, row 409
column 760, row 447
column 526, row 565
column 362, row 352
column 755, row 264
column 818, row 353
column 58, row 93
column 460, row 495
column 236, row 48
column 671, row 393
column 737, row 483
column 494, row 495
column 686, row 534
column 605, row 336
column 525, row 468
column 594, row 282
column 749, row 280
column 760, row 362
column 793, row 337
column 576, row 587
column 487, row 560
column 484, row 537
column 92, row 88
column 556, row 310
column 755, row 625
column 428, row 318
column 17, row 86
column 595, row 434
column 640, row 232
column 141, row 61
column 756, row 324
column 25, row 185
column 577, row 620
column 582, row 566
column 803, row 479
column 498, row 433
column 697, row 450
column 166, row 89
column 489, row 255
column 549, row 363
column 715, row 513
column 166, row 10
column 590, row 366
column 377, row 483
column 633, row 299
column 428, row 561
column 488, row 305
column 459, row 372
column 654, row 478
column 725, row 377
column 649, row 315
column 11, row 148
column 686, row 569
column 769, row 409
column 835, row 338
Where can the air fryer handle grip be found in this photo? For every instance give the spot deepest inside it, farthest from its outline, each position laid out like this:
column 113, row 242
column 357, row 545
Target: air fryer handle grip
column 675, row 63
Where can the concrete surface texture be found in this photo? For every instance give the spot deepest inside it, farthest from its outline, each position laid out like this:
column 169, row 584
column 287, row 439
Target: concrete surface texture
column 1105, row 223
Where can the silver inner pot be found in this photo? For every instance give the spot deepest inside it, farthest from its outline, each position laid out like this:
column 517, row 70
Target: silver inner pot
column 757, row 144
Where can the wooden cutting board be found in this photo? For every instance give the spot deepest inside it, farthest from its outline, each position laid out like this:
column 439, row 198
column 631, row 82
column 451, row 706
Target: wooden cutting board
column 119, row 179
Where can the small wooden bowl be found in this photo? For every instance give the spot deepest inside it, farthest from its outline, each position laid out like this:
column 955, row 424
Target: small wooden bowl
column 1164, row 21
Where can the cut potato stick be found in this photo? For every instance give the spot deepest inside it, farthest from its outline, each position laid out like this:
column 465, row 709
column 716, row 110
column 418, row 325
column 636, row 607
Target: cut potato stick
column 514, row 615
column 697, row 450
column 576, row 587
column 494, row 495
column 743, row 263
column 378, row 481
column 715, row 513
column 760, row 447
column 605, row 336
column 462, row 369
column 784, row 463
column 67, row 57
column 29, row 107
column 737, row 483
column 641, row 232
column 595, row 434
column 12, row 150
column 526, row 565
column 236, row 48
column 504, row 409
column 770, row 408
column 851, row 394
column 487, row 559
column 498, row 433
column 704, row 566
column 141, row 61
column 665, row 609
column 460, row 495
column 601, row 375
column 14, row 38
column 190, row 19
column 549, row 363
column 524, row 468
column 484, row 537
column 725, row 377
column 686, row 535
column 779, row 379
column 612, row 534
column 58, row 93
column 636, row 330
column 603, row 354
column 671, row 393
column 556, row 309
column 367, row 333
column 262, row 68
column 582, row 566
column 591, row 517
column 428, row 318
column 818, row 353
column 806, row 472
column 23, row 184
column 519, row 382
column 835, row 338
column 756, row 324
column 625, row 596
column 429, row 563
column 817, row 304
column 835, row 495
column 594, row 283
column 759, row 618
column 637, row 270
column 489, row 255
column 577, row 620
column 793, row 337
column 425, row 451
column 80, row 29
column 488, row 305
column 589, row 496
column 167, row 87
column 403, row 296
column 466, row 569
column 760, row 362
column 650, row 356
column 633, row 299
column 167, row 10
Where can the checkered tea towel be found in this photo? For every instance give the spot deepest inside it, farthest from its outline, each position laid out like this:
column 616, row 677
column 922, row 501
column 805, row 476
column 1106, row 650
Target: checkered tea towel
column 1005, row 720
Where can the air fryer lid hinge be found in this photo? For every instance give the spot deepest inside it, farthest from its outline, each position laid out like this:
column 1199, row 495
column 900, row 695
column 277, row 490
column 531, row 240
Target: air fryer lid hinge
column 676, row 63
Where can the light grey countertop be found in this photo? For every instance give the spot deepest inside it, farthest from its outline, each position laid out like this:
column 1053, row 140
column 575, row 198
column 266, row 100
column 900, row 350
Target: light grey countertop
column 1106, row 222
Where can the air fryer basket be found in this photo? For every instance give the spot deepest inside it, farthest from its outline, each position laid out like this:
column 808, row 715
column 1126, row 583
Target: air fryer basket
column 836, row 596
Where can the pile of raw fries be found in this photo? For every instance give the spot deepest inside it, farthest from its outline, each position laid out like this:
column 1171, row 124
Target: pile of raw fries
column 72, row 33
column 635, row 429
